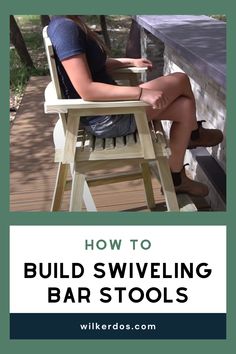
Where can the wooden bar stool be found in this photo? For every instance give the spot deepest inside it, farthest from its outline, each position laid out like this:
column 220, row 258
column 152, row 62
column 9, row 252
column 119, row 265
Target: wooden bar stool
column 86, row 153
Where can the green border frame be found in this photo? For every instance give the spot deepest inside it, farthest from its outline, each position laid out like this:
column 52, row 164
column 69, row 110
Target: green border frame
column 31, row 218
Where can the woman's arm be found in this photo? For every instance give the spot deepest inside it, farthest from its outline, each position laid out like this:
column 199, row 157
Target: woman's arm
column 80, row 76
column 115, row 63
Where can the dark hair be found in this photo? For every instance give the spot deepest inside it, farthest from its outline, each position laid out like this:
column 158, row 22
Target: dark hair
column 91, row 34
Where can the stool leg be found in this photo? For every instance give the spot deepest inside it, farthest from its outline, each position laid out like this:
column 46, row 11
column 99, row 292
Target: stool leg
column 59, row 186
column 148, row 185
column 88, row 199
column 167, row 184
column 77, row 191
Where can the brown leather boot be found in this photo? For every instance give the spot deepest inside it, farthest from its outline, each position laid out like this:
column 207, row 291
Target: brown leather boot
column 191, row 187
column 205, row 137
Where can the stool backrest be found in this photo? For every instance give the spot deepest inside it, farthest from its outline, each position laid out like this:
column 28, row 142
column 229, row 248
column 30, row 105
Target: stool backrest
column 51, row 63
column 53, row 88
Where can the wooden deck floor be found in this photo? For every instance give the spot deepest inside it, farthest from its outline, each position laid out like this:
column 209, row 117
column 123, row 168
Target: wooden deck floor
column 33, row 171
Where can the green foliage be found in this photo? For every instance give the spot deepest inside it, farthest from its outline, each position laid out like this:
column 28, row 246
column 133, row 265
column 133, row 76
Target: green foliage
column 220, row 17
column 91, row 19
column 33, row 40
column 31, row 30
column 20, row 74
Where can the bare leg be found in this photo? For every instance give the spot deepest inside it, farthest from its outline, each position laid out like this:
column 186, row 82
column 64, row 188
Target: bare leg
column 181, row 110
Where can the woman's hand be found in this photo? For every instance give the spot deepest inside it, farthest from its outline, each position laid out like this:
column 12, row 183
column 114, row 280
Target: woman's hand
column 142, row 62
column 116, row 63
column 156, row 99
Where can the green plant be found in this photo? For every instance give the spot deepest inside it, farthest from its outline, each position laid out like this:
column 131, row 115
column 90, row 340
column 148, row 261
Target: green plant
column 19, row 74
column 220, row 17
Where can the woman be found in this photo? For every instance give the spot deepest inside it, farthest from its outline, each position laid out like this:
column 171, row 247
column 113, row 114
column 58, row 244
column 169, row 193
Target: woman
column 84, row 69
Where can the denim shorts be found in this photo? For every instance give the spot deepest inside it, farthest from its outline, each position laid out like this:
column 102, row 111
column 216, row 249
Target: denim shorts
column 109, row 126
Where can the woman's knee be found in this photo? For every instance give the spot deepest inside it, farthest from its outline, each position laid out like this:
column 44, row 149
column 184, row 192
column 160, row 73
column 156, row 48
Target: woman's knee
column 184, row 84
column 182, row 77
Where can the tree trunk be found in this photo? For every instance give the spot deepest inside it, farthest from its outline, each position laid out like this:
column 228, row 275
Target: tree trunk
column 133, row 48
column 104, row 31
column 45, row 19
column 18, row 41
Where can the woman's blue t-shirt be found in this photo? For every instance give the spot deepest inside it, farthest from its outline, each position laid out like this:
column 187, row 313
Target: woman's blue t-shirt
column 68, row 39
